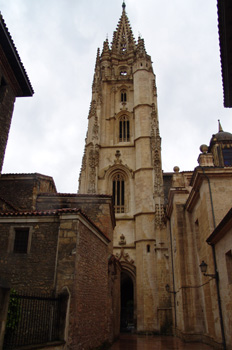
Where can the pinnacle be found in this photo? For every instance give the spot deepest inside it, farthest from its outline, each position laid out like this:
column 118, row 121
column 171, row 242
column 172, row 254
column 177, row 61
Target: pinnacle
column 123, row 39
column 219, row 126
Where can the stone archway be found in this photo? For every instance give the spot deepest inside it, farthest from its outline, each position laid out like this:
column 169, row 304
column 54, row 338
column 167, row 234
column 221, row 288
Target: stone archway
column 128, row 303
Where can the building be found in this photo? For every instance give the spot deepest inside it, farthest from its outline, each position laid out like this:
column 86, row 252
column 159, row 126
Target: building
column 225, row 31
column 197, row 206
column 13, row 83
column 125, row 253
column 56, row 249
column 122, row 158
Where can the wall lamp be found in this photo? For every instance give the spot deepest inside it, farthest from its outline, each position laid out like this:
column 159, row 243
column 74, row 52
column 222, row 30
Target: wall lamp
column 203, row 266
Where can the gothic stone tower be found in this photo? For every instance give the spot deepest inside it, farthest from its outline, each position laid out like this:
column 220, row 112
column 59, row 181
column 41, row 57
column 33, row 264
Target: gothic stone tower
column 122, row 157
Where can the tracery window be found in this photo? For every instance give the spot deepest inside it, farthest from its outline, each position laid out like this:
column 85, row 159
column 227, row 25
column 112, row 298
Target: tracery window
column 119, row 193
column 124, row 129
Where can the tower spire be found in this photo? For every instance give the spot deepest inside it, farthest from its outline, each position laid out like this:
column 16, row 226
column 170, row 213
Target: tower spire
column 123, row 39
column 219, row 126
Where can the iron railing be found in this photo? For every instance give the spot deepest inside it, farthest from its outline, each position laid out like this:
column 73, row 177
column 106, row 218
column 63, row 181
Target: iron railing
column 32, row 319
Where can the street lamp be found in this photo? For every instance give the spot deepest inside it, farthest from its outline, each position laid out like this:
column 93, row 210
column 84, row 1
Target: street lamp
column 203, row 266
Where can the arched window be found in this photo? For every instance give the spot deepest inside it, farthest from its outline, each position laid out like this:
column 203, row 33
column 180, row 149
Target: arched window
column 119, row 193
column 124, row 129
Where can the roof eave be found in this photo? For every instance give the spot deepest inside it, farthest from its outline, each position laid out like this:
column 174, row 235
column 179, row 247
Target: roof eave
column 225, row 42
column 14, row 60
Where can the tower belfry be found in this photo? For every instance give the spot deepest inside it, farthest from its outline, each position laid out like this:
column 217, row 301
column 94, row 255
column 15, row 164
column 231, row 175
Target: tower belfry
column 122, row 157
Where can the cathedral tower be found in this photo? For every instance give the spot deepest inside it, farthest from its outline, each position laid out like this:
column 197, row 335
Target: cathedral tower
column 122, row 157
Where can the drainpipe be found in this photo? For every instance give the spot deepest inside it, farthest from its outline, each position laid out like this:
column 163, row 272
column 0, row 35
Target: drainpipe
column 173, row 275
column 215, row 266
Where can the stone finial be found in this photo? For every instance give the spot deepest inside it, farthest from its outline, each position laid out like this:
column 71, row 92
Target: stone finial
column 177, row 178
column 123, row 5
column 219, row 126
column 205, row 158
column 117, row 156
column 122, row 240
column 176, row 169
column 204, row 149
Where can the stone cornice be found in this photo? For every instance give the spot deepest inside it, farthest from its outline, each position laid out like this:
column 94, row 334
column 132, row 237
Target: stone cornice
column 200, row 174
column 172, row 192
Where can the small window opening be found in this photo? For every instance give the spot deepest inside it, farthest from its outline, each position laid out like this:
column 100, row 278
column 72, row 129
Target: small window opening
column 21, row 241
column 141, row 64
column 148, row 248
column 123, row 73
column 227, row 156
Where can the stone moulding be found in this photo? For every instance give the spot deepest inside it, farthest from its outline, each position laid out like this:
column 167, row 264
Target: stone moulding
column 107, row 172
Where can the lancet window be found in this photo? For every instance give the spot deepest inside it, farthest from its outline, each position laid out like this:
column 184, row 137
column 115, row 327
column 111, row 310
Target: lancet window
column 119, row 193
column 123, row 96
column 124, row 129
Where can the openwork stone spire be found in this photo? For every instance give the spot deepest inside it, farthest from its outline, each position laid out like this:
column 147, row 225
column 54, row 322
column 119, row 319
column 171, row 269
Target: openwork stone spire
column 123, row 39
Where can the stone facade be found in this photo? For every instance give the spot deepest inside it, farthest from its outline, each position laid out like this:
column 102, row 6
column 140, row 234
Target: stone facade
column 198, row 201
column 166, row 224
column 221, row 240
column 122, row 158
column 66, row 252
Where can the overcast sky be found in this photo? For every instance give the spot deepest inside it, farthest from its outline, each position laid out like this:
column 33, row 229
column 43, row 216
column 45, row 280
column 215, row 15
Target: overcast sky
column 57, row 41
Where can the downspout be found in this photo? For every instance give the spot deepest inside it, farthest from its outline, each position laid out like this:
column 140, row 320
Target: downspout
column 173, row 274
column 215, row 266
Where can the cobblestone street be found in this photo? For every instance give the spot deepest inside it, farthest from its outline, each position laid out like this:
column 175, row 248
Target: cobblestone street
column 139, row 342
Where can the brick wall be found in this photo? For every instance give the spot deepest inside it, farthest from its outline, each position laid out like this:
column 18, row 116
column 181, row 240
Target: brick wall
column 89, row 304
column 35, row 270
column 21, row 190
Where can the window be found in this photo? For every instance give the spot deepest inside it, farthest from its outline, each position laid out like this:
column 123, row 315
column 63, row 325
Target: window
column 119, row 193
column 148, row 248
column 123, row 96
column 227, row 156
column 124, row 129
column 21, row 240
column 123, row 73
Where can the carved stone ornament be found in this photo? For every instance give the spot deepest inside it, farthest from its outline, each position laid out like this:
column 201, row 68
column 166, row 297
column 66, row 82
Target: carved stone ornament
column 156, row 154
column 93, row 108
column 95, row 128
column 122, row 240
column 93, row 162
column 124, row 257
column 117, row 156
column 159, row 216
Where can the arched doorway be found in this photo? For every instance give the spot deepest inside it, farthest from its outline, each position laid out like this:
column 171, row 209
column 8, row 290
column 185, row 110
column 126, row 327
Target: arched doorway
column 127, row 303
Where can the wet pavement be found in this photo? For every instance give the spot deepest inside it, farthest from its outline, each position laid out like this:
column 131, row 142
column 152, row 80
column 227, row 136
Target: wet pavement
column 147, row 342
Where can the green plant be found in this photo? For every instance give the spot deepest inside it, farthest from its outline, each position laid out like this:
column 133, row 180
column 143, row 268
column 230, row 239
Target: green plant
column 13, row 315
